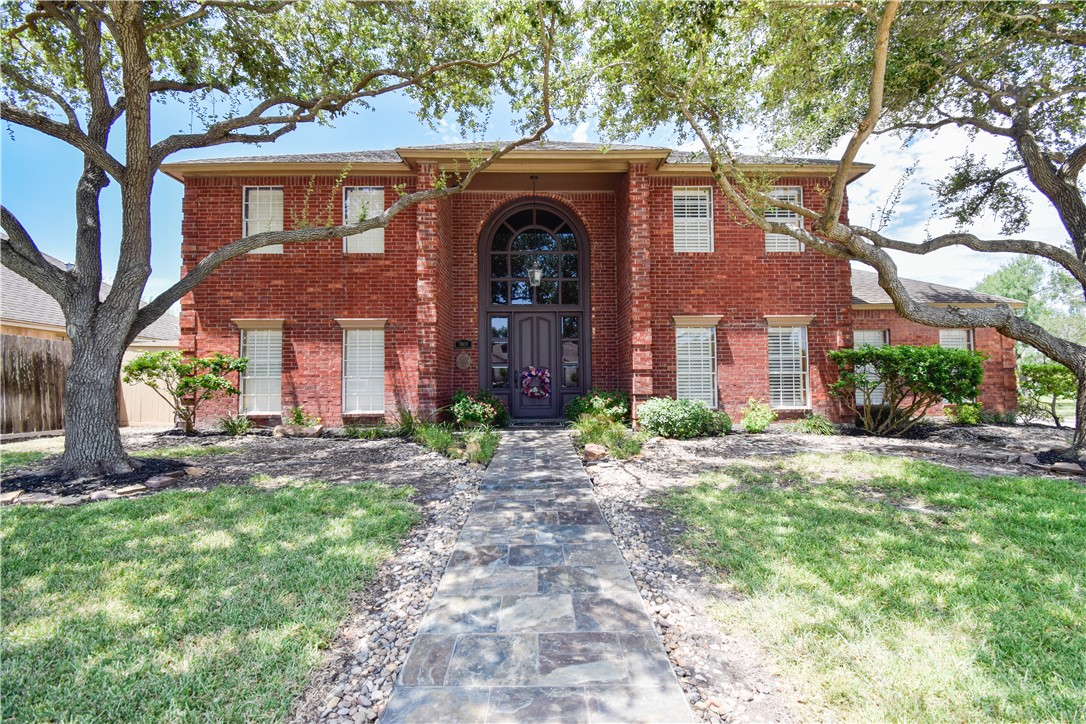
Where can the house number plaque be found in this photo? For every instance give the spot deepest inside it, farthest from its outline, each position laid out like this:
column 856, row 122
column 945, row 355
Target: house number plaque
column 462, row 344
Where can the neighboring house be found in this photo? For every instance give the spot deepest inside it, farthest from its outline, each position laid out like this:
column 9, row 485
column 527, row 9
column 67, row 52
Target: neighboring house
column 625, row 269
column 27, row 311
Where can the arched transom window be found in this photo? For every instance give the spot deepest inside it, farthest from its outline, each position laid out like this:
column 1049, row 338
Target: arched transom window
column 534, row 238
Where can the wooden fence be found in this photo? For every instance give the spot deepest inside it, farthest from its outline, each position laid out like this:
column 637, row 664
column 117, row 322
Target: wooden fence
column 32, row 383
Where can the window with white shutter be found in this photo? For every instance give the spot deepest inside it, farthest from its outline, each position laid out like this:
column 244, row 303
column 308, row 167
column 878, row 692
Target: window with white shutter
column 263, row 211
column 956, row 338
column 875, row 338
column 695, row 364
column 784, row 242
column 363, row 371
column 261, row 383
column 788, row 377
column 363, row 202
column 692, row 219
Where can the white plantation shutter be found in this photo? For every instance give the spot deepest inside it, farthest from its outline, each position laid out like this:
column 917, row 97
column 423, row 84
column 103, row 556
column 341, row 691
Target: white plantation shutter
column 692, row 217
column 784, row 242
column 788, row 367
column 261, row 384
column 364, row 202
column 263, row 212
column 695, row 364
column 363, row 371
column 875, row 338
column 956, row 338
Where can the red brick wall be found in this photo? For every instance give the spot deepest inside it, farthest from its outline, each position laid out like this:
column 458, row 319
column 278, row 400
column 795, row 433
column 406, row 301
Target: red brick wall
column 742, row 282
column 998, row 391
column 308, row 286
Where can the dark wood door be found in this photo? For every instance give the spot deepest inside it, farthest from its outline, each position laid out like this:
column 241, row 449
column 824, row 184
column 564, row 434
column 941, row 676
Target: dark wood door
column 535, row 344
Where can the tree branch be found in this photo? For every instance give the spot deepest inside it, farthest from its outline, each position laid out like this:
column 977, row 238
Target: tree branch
column 21, row 254
column 71, row 135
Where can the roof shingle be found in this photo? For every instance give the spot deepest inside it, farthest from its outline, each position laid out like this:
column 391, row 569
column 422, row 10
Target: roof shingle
column 866, row 290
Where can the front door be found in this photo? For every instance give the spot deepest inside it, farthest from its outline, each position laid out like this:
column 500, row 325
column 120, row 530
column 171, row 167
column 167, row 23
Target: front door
column 535, row 349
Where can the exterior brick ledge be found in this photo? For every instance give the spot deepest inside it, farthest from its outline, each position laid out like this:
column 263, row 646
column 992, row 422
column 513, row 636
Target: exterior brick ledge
column 703, row 320
column 789, row 320
column 362, row 323
column 258, row 323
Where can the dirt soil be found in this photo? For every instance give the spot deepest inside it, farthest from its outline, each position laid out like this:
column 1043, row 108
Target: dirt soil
column 727, row 675
column 391, row 461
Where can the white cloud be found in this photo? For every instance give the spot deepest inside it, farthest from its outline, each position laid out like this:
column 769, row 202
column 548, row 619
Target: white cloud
column 580, row 133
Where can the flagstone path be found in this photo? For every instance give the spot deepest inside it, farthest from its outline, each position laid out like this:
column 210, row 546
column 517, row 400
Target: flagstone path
column 536, row 617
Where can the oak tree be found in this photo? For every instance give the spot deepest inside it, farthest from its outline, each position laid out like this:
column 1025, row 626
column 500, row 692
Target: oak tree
column 251, row 71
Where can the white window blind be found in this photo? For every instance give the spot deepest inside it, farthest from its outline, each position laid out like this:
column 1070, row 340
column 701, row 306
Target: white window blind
column 363, row 202
column 363, row 371
column 788, row 376
column 695, row 364
column 875, row 338
column 261, row 384
column 956, row 338
column 263, row 212
column 692, row 218
column 784, row 242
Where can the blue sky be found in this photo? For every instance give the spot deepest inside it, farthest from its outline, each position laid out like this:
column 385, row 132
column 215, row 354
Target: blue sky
column 39, row 176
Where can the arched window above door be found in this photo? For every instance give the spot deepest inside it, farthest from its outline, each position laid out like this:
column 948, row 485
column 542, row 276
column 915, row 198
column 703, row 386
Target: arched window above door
column 535, row 238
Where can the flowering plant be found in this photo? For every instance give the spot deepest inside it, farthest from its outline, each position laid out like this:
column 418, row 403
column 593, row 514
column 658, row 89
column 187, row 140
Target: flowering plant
column 478, row 407
column 535, row 382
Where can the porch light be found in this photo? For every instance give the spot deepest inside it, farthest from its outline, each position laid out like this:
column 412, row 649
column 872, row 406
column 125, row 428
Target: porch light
column 535, row 274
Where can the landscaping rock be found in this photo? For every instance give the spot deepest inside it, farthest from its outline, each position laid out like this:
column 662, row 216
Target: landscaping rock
column 162, row 481
column 10, row 497
column 193, row 471
column 103, row 495
column 1063, row 467
column 70, row 500
column 37, row 499
column 472, row 447
column 592, row 451
column 297, row 431
column 131, row 489
column 1028, row 459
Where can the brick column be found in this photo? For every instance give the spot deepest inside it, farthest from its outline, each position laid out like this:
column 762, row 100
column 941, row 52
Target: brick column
column 640, row 237
column 427, row 270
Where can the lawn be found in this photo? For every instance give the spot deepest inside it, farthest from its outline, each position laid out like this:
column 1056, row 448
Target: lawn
column 15, row 458
column 185, row 451
column 184, row 606
column 892, row 589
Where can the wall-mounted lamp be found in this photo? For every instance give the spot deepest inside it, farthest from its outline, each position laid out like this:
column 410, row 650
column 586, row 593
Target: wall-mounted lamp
column 535, row 274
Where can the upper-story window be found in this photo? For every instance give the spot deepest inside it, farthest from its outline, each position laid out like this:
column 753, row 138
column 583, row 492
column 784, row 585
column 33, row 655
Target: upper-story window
column 692, row 218
column 784, row 242
column 263, row 211
column 363, row 202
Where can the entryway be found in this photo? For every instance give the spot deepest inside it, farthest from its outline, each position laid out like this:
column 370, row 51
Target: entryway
column 534, row 326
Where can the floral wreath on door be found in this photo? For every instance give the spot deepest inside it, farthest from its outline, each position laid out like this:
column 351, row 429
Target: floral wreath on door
column 535, row 382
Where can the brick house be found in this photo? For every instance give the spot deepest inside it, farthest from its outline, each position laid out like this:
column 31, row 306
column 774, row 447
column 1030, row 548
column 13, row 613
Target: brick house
column 623, row 269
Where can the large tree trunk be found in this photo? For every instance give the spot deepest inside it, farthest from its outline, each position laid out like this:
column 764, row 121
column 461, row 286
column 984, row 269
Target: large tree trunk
column 92, row 437
column 1078, row 441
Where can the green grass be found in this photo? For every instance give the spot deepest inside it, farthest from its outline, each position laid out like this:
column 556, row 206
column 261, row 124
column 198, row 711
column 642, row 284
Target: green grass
column 185, row 451
column 184, row 606
column 447, row 440
column 14, row 458
column 900, row 590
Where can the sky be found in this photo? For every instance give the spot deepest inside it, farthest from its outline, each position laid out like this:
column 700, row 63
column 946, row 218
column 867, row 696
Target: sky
column 39, row 176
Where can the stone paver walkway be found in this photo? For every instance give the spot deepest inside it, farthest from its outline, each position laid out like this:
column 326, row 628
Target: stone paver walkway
column 536, row 617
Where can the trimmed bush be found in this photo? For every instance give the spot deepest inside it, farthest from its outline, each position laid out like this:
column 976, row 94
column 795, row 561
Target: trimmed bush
column 967, row 413
column 612, row 404
column 478, row 407
column 911, row 380
column 681, row 419
column 757, row 416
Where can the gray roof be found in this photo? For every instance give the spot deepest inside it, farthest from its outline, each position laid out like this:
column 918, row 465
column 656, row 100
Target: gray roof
column 866, row 290
column 393, row 155
column 22, row 301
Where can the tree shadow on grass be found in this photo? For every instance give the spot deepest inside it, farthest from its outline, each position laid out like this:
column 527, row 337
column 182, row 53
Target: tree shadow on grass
column 907, row 589
column 184, row 605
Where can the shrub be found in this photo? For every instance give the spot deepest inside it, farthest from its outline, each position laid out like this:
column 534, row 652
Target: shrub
column 1007, row 417
column 680, row 419
column 967, row 413
column 1041, row 387
column 298, row 416
column 612, row 404
column 405, row 423
column 479, row 407
column 486, row 439
column 235, row 425
column 814, row 423
column 185, row 382
column 911, row 380
column 437, row 436
column 620, row 441
column 757, row 416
